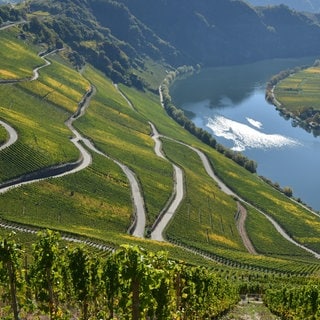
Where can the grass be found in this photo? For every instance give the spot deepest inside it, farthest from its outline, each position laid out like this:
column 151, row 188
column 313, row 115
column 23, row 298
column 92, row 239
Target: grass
column 17, row 60
column 124, row 134
column 152, row 73
column 42, row 133
column 96, row 201
column 299, row 222
column 148, row 105
column 37, row 110
column 64, row 92
column 207, row 214
column 267, row 240
column 300, row 90
column 3, row 135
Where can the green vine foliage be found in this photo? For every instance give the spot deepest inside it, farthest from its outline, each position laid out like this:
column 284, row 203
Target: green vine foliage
column 130, row 283
column 10, row 273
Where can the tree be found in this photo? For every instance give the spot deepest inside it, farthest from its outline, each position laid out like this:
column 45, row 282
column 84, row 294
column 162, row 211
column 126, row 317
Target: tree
column 287, row 191
column 251, row 166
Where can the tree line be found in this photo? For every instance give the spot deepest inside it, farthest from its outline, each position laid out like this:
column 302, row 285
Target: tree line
column 203, row 135
column 130, row 283
column 10, row 14
column 306, row 117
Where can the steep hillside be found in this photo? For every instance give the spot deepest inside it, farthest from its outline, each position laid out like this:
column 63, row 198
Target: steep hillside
column 96, row 201
column 226, row 32
column 118, row 36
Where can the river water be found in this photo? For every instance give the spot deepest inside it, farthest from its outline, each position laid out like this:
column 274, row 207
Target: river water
column 229, row 102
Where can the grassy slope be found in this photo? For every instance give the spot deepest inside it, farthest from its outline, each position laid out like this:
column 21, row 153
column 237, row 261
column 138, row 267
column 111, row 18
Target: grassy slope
column 299, row 222
column 3, row 135
column 242, row 181
column 124, row 134
column 96, row 201
column 17, row 60
column 38, row 110
column 207, row 214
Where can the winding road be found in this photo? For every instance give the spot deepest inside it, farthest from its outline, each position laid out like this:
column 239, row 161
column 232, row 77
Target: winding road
column 138, row 227
column 178, row 193
column 55, row 171
column 241, row 210
column 13, row 135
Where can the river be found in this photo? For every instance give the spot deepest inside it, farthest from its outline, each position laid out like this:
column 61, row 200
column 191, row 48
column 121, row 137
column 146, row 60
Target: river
column 229, row 102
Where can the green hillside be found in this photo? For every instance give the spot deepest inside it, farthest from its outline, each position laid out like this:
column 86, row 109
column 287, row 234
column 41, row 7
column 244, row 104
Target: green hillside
column 96, row 201
column 92, row 140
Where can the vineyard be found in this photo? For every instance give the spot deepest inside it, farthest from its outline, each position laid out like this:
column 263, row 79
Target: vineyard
column 127, row 138
column 17, row 60
column 295, row 302
column 3, row 135
column 48, row 277
column 300, row 91
column 65, row 282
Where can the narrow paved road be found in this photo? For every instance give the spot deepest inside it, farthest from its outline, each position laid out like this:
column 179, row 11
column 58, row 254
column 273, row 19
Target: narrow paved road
column 13, row 135
column 165, row 217
column 161, row 224
column 9, row 25
column 139, row 224
column 177, row 196
column 125, row 97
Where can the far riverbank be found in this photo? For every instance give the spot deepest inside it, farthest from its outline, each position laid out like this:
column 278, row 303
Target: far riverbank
column 230, row 104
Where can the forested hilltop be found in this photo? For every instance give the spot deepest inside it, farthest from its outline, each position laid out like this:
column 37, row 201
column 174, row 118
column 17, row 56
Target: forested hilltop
column 118, row 36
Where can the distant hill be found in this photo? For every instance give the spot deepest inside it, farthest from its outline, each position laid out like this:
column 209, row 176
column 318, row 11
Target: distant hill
column 118, row 35
column 300, row 5
column 216, row 32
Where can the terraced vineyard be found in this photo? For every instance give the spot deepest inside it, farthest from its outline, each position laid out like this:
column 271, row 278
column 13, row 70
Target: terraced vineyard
column 17, row 60
column 123, row 133
column 97, row 202
column 3, row 135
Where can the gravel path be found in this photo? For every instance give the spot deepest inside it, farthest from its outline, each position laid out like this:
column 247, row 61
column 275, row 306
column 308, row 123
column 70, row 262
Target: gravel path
column 240, row 223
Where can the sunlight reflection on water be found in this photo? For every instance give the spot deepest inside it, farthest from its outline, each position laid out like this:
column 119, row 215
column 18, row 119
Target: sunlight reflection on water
column 245, row 137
